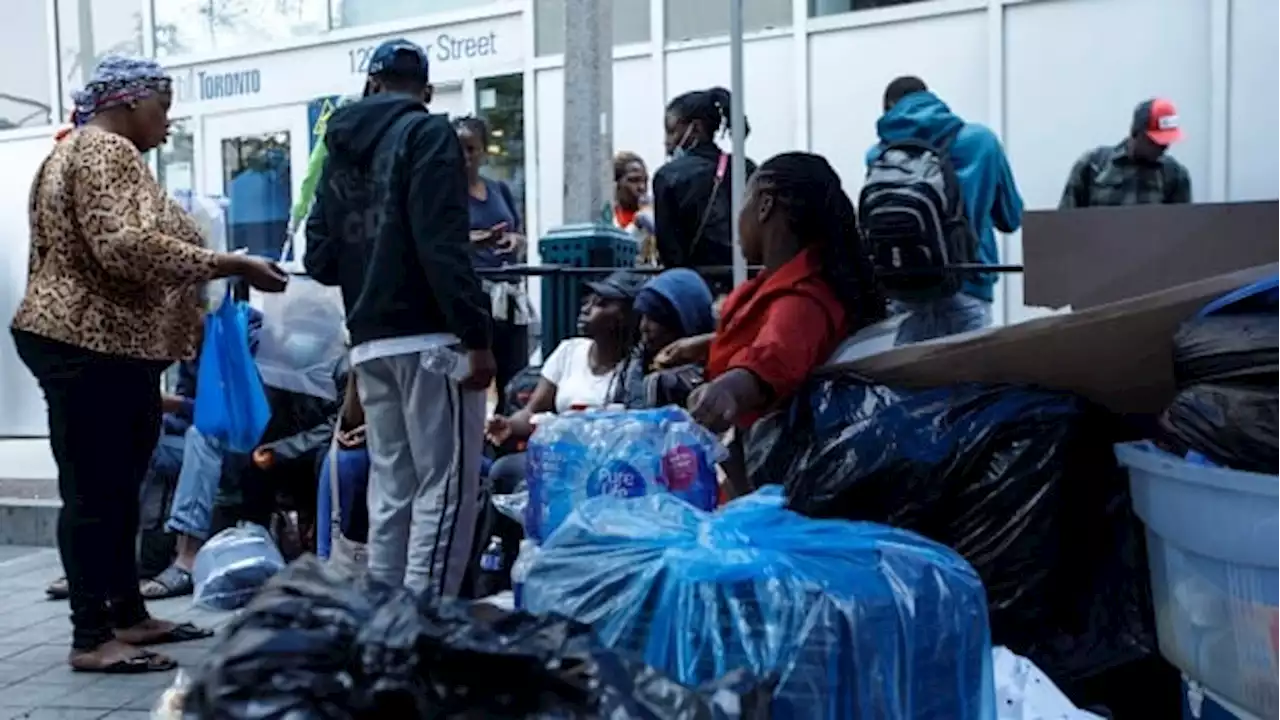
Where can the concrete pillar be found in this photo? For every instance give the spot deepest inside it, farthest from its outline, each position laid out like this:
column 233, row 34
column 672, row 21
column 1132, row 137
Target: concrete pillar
column 588, row 110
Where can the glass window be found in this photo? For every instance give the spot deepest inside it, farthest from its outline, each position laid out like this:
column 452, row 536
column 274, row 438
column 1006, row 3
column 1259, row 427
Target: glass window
column 688, row 20
column 26, row 100
column 350, row 13
column 176, row 168
column 818, row 8
column 197, row 26
column 90, row 29
column 500, row 103
column 630, row 24
column 257, row 179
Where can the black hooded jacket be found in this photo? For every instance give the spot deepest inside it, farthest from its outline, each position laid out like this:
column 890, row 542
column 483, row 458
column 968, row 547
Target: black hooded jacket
column 390, row 224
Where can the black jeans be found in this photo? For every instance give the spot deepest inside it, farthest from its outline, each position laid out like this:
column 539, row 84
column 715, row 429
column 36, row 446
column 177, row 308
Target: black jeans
column 510, row 355
column 104, row 421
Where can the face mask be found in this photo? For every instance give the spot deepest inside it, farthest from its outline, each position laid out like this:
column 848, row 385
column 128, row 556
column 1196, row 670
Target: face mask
column 681, row 150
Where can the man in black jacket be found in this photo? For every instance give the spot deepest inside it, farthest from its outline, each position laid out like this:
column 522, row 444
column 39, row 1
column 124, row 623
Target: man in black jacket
column 390, row 225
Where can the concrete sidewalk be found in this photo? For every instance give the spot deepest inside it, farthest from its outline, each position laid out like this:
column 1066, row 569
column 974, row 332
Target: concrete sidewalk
column 35, row 681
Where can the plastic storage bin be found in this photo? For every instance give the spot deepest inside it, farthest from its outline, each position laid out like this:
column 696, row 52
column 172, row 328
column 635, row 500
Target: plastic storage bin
column 1212, row 548
column 583, row 245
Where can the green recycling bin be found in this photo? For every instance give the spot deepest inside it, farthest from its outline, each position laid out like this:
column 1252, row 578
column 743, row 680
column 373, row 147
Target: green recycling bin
column 583, row 245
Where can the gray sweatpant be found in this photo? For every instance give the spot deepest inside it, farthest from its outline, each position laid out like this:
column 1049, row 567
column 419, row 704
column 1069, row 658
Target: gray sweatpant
column 425, row 435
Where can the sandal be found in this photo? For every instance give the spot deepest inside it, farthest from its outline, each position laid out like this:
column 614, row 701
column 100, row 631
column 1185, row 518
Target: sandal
column 180, row 632
column 144, row 662
column 173, row 582
column 58, row 589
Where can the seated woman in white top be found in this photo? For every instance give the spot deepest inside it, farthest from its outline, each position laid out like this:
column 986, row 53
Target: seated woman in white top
column 583, row 372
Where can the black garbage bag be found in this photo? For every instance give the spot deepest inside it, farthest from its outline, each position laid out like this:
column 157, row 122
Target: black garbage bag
column 312, row 645
column 768, row 450
column 290, row 652
column 1236, row 349
column 475, row 660
column 1021, row 482
column 1235, row 426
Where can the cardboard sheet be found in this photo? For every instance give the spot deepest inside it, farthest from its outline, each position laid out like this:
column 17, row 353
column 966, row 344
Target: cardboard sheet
column 1119, row 354
column 1089, row 257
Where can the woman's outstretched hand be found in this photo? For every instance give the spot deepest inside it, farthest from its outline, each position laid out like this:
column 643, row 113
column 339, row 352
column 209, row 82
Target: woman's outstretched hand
column 263, row 274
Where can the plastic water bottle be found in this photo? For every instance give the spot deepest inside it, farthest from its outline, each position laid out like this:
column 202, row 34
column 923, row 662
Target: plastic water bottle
column 627, row 465
column 520, row 571
column 491, row 566
column 557, row 453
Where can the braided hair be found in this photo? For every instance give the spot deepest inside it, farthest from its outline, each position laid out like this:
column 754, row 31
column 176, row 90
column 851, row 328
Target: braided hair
column 818, row 211
column 712, row 108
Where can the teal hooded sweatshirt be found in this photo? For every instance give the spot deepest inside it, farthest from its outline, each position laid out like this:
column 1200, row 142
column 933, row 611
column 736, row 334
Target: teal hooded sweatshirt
column 991, row 197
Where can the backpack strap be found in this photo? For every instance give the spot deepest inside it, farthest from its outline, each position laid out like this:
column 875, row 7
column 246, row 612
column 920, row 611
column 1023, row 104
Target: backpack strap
column 722, row 165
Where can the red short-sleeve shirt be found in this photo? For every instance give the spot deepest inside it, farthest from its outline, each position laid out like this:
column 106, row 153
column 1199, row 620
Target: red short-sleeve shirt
column 779, row 326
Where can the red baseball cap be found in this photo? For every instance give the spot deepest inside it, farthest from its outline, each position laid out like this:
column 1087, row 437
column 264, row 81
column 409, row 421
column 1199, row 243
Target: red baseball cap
column 1159, row 120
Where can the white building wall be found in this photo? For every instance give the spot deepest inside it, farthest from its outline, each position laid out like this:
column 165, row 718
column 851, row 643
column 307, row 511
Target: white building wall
column 1051, row 77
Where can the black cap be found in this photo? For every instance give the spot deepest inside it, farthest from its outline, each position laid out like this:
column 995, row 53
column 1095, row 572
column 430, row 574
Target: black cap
column 399, row 57
column 621, row 285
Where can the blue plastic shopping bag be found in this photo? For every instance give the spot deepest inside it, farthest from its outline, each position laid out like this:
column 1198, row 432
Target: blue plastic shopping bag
column 231, row 402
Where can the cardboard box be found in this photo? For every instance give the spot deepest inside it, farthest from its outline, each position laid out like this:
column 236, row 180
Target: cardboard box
column 1093, row 256
column 1119, row 354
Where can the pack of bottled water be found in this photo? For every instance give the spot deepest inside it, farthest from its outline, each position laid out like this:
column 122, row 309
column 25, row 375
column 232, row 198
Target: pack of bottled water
column 619, row 453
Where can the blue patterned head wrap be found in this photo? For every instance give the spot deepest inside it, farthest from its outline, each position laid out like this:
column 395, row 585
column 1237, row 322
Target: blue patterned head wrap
column 119, row 80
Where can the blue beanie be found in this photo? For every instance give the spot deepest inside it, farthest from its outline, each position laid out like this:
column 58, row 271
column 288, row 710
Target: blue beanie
column 688, row 295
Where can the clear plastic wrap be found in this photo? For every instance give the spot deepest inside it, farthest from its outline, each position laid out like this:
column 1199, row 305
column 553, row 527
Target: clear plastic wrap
column 855, row 620
column 233, row 565
column 210, row 215
column 513, row 506
column 303, row 338
column 619, row 453
column 173, row 701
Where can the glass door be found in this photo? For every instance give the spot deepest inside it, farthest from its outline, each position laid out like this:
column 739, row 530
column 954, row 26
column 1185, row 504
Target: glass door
column 500, row 103
column 257, row 160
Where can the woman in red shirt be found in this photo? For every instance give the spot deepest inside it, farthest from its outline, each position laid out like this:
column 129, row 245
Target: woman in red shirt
column 818, row 286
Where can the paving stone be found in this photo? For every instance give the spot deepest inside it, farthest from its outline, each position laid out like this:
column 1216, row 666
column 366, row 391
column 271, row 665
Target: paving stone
column 28, row 695
column 35, row 636
column 57, row 714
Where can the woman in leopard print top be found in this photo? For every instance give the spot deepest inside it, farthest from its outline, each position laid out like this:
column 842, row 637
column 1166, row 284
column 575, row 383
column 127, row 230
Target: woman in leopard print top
column 112, row 298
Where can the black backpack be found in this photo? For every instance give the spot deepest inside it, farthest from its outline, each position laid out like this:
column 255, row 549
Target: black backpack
column 911, row 212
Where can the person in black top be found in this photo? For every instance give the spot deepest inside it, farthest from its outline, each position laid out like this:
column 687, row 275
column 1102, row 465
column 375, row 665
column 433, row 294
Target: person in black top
column 390, row 225
column 693, row 208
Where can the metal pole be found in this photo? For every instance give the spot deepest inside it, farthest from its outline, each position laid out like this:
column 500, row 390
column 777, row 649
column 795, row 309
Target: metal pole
column 588, row 110
column 738, row 118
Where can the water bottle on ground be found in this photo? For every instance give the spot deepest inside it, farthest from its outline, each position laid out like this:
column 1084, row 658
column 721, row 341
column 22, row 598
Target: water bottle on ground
column 520, row 571
column 491, row 580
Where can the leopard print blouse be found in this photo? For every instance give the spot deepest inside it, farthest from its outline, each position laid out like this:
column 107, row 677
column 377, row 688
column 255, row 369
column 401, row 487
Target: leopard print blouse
column 116, row 266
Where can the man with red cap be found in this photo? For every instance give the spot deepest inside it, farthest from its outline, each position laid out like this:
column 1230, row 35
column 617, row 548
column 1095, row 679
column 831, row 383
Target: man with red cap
column 1138, row 171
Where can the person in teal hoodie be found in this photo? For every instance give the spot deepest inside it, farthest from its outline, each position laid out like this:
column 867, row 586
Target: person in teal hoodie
column 991, row 201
